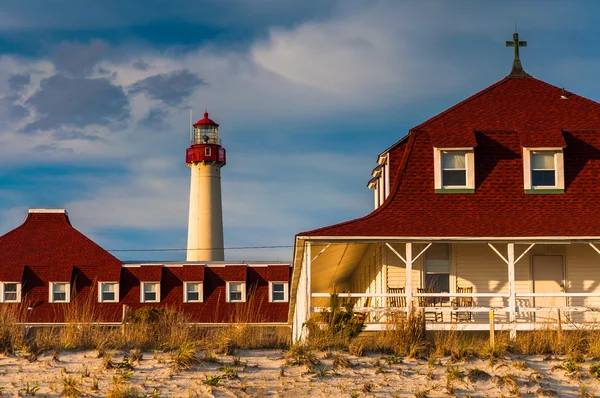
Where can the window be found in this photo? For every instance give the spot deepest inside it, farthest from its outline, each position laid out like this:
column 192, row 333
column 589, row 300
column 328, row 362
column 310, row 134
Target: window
column 437, row 268
column 207, row 152
column 60, row 292
column 192, row 292
column 150, row 292
column 236, row 292
column 543, row 170
column 108, row 292
column 11, row 292
column 454, row 170
column 278, row 292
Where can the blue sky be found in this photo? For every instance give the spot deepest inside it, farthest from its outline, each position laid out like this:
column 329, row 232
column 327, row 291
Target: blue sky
column 94, row 99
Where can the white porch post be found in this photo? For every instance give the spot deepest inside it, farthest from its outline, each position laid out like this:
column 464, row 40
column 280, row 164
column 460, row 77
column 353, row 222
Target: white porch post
column 512, row 299
column 408, row 267
column 308, row 288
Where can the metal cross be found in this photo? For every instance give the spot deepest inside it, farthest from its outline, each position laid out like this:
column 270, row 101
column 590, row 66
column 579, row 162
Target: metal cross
column 516, row 44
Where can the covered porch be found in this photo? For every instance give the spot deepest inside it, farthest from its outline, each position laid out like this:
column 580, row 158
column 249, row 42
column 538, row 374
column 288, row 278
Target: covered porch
column 457, row 284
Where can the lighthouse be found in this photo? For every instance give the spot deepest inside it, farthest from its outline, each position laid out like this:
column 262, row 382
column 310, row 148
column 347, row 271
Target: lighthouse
column 205, row 157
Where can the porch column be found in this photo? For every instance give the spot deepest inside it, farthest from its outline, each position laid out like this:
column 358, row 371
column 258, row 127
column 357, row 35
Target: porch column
column 512, row 299
column 408, row 267
column 308, row 287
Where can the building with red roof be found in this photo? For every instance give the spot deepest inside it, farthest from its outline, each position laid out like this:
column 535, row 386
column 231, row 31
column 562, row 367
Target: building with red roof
column 55, row 273
column 491, row 206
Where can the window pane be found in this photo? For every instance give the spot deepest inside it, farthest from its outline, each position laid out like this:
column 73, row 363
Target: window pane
column 108, row 287
column 59, row 288
column 454, row 160
column 10, row 292
column 108, row 296
column 438, row 282
column 437, row 258
column 454, row 178
column 193, row 296
column 149, row 296
column 278, row 293
column 543, row 178
column 235, row 292
column 149, row 287
column 193, row 292
column 542, row 160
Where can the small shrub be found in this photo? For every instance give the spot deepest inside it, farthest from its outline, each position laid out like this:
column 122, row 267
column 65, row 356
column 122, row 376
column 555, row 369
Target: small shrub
column 229, row 372
column 595, row 370
column 341, row 361
column 185, row 357
column 29, row 390
column 70, row 387
column 393, row 359
column 211, row 380
column 453, row 373
column 300, row 355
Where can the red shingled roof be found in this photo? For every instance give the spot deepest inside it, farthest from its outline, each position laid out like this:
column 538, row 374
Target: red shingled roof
column 502, row 118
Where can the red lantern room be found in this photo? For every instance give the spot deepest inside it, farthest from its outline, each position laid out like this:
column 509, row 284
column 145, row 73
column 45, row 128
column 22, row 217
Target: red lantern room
column 205, row 145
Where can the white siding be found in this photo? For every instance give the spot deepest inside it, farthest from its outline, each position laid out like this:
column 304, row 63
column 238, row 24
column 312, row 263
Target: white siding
column 583, row 275
column 369, row 276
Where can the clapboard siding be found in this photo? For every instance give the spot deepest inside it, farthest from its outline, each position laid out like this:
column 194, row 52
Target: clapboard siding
column 369, row 276
column 396, row 270
column 583, row 276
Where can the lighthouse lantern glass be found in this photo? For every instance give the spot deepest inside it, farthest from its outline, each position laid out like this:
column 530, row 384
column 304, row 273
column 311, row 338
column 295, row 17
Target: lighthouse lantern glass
column 206, row 134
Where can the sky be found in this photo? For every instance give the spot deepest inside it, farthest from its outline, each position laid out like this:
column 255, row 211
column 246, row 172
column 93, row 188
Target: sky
column 95, row 99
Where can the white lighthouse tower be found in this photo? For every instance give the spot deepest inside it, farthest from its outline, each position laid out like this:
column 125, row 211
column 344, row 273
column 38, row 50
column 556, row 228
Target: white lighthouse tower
column 205, row 156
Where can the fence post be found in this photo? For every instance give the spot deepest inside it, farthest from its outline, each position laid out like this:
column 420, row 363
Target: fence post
column 492, row 330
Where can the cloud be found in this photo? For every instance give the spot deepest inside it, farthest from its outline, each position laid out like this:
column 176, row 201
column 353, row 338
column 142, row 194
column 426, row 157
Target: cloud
column 141, row 65
column 18, row 82
column 10, row 111
column 78, row 59
column 155, row 118
column 64, row 101
column 171, row 88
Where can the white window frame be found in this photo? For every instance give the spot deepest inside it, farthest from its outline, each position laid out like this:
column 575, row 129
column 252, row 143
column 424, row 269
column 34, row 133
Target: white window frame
column 142, row 285
column 227, row 292
column 285, row 292
column 438, row 168
column 200, row 292
column 67, row 292
column 559, row 168
column 2, row 290
column 116, row 299
column 207, row 151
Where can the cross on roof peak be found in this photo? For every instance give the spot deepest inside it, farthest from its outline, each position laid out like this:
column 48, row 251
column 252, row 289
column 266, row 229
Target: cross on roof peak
column 517, row 69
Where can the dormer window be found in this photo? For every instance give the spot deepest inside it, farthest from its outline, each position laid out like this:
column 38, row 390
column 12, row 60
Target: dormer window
column 543, row 170
column 454, row 170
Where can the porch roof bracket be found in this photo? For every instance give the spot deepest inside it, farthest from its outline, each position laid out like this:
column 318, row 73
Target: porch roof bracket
column 321, row 252
column 593, row 246
column 396, row 253
column 525, row 252
column 498, row 253
column 421, row 252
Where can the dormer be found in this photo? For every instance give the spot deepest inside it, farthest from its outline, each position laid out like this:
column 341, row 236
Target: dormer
column 380, row 182
column 453, row 161
column 543, row 162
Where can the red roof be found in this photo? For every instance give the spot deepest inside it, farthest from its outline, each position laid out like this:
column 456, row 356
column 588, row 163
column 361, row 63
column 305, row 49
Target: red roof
column 503, row 118
column 192, row 273
column 205, row 121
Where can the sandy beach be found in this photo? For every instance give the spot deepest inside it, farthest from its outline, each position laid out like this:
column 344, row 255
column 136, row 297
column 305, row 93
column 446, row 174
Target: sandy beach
column 267, row 373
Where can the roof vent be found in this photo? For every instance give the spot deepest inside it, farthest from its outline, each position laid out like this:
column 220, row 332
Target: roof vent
column 564, row 94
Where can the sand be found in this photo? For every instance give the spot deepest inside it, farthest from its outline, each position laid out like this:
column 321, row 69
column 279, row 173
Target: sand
column 264, row 373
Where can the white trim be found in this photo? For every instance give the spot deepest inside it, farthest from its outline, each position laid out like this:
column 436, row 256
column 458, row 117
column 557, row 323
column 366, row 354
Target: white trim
column 228, row 297
column 116, row 299
column 559, row 168
column 2, row 291
column 424, row 239
column 286, row 292
column 200, row 292
column 67, row 292
column 469, row 168
column 142, row 284
column 60, row 211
